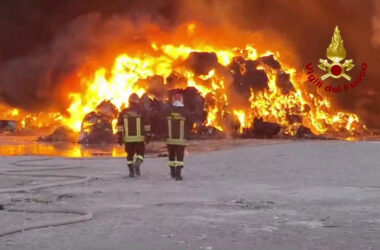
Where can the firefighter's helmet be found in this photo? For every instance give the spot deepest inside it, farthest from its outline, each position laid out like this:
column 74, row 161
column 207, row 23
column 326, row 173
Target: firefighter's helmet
column 177, row 100
column 133, row 99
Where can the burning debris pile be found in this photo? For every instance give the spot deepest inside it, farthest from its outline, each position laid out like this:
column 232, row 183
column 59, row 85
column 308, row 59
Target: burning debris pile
column 246, row 97
column 60, row 134
column 231, row 91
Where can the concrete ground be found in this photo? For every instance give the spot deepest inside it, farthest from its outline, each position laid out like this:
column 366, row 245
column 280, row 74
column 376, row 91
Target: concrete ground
column 292, row 195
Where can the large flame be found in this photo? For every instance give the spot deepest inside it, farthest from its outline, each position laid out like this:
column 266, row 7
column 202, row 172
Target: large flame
column 160, row 58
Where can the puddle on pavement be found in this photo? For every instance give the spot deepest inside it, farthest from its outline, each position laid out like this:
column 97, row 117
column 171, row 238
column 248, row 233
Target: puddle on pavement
column 60, row 149
column 11, row 145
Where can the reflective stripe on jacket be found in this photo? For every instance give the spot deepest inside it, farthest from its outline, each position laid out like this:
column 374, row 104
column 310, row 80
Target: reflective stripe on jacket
column 179, row 122
column 132, row 125
column 176, row 129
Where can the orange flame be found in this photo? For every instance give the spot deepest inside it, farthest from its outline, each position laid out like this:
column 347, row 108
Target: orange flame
column 160, row 58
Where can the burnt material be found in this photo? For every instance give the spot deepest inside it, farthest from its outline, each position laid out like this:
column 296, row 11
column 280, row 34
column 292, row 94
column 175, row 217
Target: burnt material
column 207, row 132
column 255, row 79
column 265, row 129
column 247, row 76
column 284, row 83
column 270, row 61
column 61, row 134
column 202, row 62
column 8, row 126
column 306, row 133
column 294, row 119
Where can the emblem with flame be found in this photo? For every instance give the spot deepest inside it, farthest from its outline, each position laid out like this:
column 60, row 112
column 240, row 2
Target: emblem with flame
column 336, row 53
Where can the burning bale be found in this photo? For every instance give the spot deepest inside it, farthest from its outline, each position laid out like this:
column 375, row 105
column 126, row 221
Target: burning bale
column 201, row 63
column 97, row 126
column 247, row 76
column 108, row 109
column 270, row 61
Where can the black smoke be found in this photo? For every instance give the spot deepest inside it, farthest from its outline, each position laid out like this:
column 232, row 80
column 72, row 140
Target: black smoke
column 44, row 42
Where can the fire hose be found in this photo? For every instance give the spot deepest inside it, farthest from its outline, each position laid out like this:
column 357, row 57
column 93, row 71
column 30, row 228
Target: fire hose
column 84, row 215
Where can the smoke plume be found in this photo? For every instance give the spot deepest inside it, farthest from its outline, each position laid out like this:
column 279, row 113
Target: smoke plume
column 376, row 24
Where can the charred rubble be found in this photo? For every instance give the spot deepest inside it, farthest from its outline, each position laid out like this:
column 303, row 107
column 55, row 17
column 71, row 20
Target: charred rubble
column 264, row 129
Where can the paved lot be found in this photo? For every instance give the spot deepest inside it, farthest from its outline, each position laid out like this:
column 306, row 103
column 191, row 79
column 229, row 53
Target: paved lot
column 294, row 195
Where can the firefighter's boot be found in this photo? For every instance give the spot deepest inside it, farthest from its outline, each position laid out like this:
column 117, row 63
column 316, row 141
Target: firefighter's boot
column 131, row 171
column 178, row 176
column 172, row 171
column 137, row 165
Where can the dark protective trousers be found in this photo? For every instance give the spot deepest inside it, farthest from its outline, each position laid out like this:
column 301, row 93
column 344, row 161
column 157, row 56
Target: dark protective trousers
column 133, row 148
column 176, row 155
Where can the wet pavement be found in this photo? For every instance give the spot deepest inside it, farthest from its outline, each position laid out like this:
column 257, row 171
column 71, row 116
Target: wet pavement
column 11, row 145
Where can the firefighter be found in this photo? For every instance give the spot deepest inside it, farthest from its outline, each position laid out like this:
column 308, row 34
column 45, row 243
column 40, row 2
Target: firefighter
column 133, row 131
column 178, row 125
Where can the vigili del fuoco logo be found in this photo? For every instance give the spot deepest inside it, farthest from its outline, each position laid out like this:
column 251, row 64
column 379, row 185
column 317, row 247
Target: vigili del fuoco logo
column 336, row 67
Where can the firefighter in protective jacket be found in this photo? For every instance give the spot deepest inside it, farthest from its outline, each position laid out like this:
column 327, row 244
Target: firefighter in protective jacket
column 178, row 127
column 133, row 129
